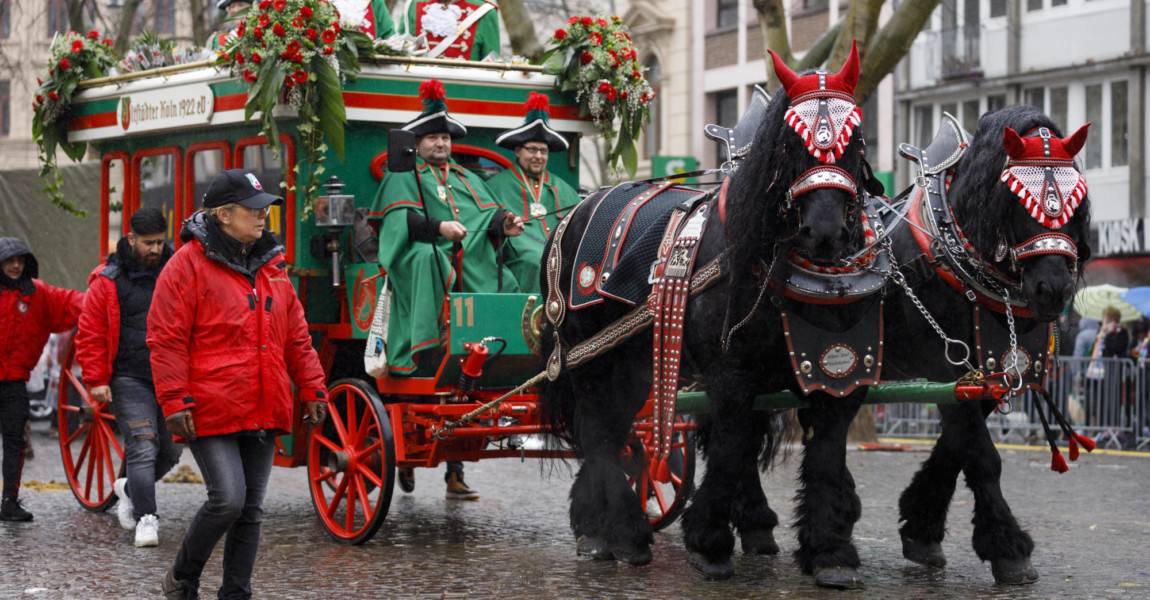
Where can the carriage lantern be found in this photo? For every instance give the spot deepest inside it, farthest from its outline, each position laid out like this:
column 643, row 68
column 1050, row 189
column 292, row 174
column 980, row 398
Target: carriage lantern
column 334, row 211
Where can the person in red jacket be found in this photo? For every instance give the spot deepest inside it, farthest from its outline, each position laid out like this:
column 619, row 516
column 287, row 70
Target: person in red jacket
column 228, row 338
column 30, row 311
column 111, row 348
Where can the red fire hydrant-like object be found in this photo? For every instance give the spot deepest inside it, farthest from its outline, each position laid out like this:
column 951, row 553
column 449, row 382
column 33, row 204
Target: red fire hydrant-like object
column 472, row 365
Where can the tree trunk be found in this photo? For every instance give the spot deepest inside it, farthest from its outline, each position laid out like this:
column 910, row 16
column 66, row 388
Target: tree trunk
column 199, row 24
column 124, row 29
column 76, row 19
column 520, row 29
column 859, row 25
column 892, row 43
column 773, row 24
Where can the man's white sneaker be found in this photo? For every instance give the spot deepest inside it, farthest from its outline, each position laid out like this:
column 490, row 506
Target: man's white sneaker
column 124, row 506
column 148, row 531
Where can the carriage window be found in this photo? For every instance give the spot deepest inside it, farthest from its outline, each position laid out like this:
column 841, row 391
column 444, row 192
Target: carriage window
column 995, row 102
column 970, row 115
column 206, row 164
column 156, row 177
column 1035, row 97
column 1094, row 115
column 1058, row 106
column 261, row 161
column 1119, row 125
column 924, row 124
column 115, row 177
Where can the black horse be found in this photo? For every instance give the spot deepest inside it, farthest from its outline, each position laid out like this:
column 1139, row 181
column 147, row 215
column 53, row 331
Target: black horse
column 1017, row 236
column 794, row 198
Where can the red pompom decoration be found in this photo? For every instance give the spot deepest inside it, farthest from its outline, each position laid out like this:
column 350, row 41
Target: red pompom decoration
column 1086, row 443
column 1073, row 450
column 432, row 89
column 537, row 101
column 1057, row 463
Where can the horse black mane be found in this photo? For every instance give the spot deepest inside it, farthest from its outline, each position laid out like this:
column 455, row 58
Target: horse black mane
column 981, row 216
column 755, row 221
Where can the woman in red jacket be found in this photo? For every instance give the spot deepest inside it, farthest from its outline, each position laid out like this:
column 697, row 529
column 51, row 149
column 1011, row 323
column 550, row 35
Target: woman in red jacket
column 228, row 338
column 30, row 310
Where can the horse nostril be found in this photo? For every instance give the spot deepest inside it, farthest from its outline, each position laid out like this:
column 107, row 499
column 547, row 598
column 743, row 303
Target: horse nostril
column 1044, row 290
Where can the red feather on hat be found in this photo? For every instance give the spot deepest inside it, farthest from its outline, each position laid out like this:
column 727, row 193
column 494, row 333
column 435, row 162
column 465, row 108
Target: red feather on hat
column 537, row 101
column 432, row 89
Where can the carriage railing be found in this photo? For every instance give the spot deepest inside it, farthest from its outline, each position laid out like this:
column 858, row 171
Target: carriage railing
column 1109, row 403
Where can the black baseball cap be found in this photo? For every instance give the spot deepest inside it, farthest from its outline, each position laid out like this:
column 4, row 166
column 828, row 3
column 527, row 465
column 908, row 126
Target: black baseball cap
column 241, row 187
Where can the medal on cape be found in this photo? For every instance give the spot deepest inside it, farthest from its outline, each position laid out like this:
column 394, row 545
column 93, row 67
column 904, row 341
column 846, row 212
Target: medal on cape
column 442, row 192
column 537, row 210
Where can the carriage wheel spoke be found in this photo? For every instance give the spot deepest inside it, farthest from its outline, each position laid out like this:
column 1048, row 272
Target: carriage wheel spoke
column 660, row 499
column 363, row 428
column 339, row 429
column 336, row 498
column 363, row 497
column 349, row 516
column 324, row 475
column 352, row 433
column 366, row 472
column 330, row 445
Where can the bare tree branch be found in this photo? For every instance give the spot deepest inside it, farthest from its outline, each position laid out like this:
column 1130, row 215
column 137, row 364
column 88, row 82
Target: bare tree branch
column 520, row 29
column 892, row 43
column 124, row 29
column 859, row 25
column 773, row 24
column 199, row 24
column 821, row 50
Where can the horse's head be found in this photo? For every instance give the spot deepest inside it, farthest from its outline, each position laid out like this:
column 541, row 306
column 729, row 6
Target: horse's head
column 1031, row 218
column 798, row 188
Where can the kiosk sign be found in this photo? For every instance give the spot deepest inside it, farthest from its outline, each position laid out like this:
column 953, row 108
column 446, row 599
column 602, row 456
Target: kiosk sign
column 166, row 108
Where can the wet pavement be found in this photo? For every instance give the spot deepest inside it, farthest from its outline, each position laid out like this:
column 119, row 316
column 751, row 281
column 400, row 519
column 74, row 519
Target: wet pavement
column 1091, row 527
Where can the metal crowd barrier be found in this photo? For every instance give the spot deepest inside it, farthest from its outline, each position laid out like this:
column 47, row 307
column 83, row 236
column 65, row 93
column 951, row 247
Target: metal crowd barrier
column 1105, row 399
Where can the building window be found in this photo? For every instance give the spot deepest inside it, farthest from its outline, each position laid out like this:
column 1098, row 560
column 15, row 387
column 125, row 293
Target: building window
column 870, row 125
column 5, row 18
column 997, row 8
column 1035, row 97
column 5, row 108
column 995, row 102
column 57, row 17
column 924, row 125
column 1057, row 2
column 728, row 13
column 1057, row 111
column 726, row 115
column 1094, row 115
column 1119, row 124
column 813, row 5
column 970, row 115
column 165, row 17
column 1033, row 5
column 652, row 137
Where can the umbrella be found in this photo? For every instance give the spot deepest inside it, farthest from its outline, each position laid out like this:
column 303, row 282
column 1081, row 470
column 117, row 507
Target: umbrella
column 1091, row 300
column 1139, row 297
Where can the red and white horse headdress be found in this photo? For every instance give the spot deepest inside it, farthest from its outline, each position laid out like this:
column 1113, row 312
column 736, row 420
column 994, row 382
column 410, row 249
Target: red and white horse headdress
column 1040, row 170
column 822, row 110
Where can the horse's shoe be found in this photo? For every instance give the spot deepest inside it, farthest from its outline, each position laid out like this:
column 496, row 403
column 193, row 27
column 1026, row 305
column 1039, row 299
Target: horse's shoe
column 838, row 578
column 712, row 569
column 759, row 542
column 632, row 555
column 1013, row 571
column 594, row 547
column 928, row 554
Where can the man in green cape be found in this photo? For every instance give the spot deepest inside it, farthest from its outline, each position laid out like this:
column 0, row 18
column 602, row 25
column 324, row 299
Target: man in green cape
column 441, row 20
column 529, row 191
column 440, row 231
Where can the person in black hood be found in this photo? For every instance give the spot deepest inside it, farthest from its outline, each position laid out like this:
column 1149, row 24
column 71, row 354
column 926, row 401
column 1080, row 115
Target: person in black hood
column 30, row 310
column 112, row 349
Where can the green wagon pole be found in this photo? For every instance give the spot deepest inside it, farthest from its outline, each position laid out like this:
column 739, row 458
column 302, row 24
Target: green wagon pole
column 887, row 393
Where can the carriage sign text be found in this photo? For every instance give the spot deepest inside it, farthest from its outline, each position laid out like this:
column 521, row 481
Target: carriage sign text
column 166, row 108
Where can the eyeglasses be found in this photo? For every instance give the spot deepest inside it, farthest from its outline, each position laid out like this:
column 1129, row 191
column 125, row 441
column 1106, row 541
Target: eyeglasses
column 259, row 213
column 540, row 151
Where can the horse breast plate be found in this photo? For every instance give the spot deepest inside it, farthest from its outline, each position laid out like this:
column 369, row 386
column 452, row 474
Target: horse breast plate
column 836, row 362
column 992, row 346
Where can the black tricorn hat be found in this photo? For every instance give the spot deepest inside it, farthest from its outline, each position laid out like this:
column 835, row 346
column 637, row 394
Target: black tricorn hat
column 434, row 118
column 535, row 127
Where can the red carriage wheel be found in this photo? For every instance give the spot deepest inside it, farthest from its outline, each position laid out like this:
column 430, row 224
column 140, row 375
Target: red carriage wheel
column 663, row 501
column 92, row 454
column 351, row 463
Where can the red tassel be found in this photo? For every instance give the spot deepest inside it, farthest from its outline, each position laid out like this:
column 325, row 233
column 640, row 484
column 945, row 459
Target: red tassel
column 1057, row 463
column 537, row 101
column 1087, row 443
column 1073, row 450
column 432, row 89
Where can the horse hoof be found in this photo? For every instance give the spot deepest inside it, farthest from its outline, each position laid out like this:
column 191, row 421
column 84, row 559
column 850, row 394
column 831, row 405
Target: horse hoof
column 759, row 542
column 928, row 554
column 1013, row 571
column 632, row 555
column 838, row 578
column 594, row 547
column 712, row 570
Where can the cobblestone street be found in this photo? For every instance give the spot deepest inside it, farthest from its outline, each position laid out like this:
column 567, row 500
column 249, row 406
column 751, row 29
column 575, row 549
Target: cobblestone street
column 1091, row 527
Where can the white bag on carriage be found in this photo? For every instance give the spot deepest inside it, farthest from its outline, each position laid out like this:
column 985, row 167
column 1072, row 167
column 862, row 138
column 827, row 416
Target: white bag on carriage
column 375, row 354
